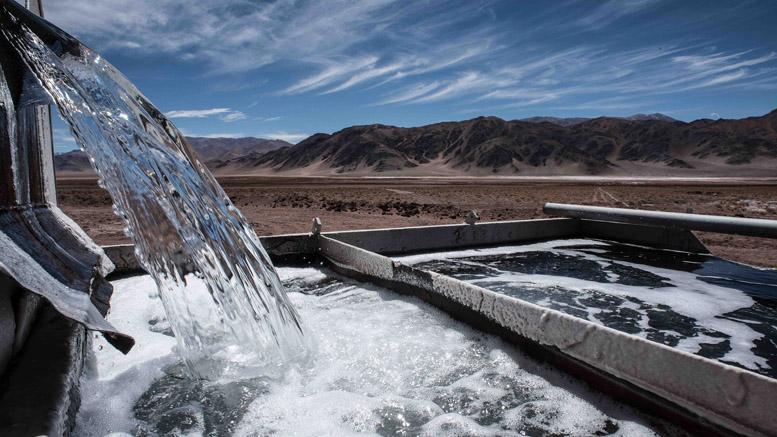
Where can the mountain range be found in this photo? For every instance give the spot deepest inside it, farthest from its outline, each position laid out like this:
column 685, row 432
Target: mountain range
column 640, row 145
column 571, row 121
column 213, row 151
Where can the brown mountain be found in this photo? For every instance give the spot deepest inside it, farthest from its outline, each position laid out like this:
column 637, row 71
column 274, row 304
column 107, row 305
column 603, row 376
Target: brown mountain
column 639, row 145
column 230, row 148
column 74, row 161
column 214, row 152
column 571, row 121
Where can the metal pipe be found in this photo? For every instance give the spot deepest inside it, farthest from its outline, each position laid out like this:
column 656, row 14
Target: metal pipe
column 692, row 222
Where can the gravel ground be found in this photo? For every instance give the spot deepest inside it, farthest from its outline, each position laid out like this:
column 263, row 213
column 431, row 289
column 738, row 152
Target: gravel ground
column 287, row 205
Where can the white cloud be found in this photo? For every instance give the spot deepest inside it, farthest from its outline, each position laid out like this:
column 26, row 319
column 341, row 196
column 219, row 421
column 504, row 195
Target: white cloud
column 594, row 72
column 426, row 52
column 63, row 140
column 285, row 136
column 196, row 113
column 226, row 114
column 333, row 38
column 230, row 36
column 234, row 116
column 411, row 93
column 611, row 11
column 330, row 74
column 724, row 78
column 220, row 135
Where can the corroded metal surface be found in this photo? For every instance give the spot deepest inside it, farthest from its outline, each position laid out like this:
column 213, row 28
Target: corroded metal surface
column 735, row 399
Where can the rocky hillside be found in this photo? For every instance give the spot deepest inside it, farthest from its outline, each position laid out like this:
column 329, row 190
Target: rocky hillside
column 487, row 145
column 230, row 148
column 651, row 144
column 577, row 120
column 214, row 151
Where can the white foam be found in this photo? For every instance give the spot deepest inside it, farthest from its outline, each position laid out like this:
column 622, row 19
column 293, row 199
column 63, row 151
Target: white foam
column 112, row 385
column 501, row 250
column 687, row 295
column 309, row 275
column 382, row 361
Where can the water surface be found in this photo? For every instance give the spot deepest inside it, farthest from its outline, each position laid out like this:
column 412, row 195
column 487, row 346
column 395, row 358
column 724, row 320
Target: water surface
column 385, row 365
column 697, row 303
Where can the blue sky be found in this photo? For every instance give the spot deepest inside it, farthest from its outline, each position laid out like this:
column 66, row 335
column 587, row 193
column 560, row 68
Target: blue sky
column 287, row 69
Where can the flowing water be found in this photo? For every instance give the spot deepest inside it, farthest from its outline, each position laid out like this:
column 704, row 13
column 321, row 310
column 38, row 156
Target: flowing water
column 224, row 301
column 388, row 365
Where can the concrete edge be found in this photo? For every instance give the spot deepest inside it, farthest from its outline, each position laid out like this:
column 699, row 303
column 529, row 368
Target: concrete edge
column 732, row 398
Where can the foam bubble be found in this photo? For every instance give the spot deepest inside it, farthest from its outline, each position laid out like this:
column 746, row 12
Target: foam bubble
column 669, row 293
column 385, row 364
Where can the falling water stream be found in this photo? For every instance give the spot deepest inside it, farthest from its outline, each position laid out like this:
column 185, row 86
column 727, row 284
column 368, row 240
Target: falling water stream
column 228, row 310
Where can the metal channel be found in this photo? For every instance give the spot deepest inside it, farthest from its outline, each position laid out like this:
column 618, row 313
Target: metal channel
column 396, row 241
column 694, row 222
column 447, row 237
column 701, row 394
column 392, row 241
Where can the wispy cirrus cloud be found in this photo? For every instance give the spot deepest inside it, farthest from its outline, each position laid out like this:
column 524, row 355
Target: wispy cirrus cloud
column 229, row 36
column 285, row 136
column 196, row 113
column 63, row 140
column 225, row 114
column 234, row 116
column 610, row 11
column 594, row 71
column 220, row 135
column 343, row 75
column 330, row 74
column 487, row 54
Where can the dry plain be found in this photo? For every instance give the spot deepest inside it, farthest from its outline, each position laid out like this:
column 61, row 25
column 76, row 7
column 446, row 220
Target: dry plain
column 279, row 205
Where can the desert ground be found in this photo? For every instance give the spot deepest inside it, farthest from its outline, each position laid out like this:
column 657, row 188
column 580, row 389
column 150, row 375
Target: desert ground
column 279, row 205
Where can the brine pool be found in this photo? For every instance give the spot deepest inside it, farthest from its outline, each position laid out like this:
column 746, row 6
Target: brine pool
column 385, row 364
column 697, row 303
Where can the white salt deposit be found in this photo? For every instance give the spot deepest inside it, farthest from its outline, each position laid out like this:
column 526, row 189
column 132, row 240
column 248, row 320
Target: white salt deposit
column 385, row 364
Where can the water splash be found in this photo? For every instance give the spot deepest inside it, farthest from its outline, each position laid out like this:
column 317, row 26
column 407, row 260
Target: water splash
column 225, row 303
